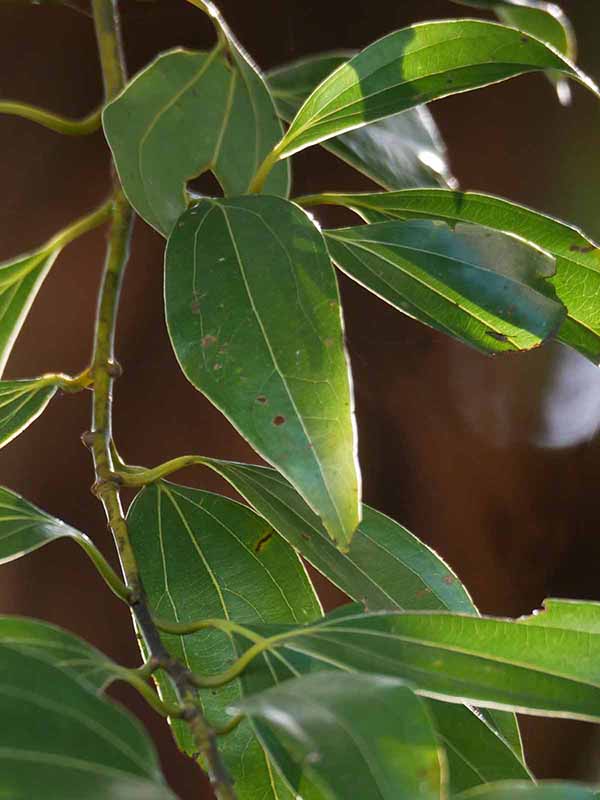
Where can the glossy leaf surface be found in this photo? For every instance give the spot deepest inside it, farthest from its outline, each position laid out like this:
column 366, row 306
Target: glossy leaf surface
column 416, row 65
column 493, row 663
column 21, row 403
column 20, row 280
column 577, row 278
column 401, row 151
column 254, row 316
column 546, row 790
column 24, row 528
column 485, row 288
column 202, row 555
column 184, row 114
column 56, row 733
column 355, row 735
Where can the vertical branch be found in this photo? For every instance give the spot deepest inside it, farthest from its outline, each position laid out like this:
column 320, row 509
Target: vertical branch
column 104, row 370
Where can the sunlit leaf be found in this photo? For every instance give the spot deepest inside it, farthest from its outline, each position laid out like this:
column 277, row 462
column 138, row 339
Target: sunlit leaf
column 487, row 289
column 202, row 555
column 398, row 152
column 416, row 65
column 254, row 315
column 21, row 403
column 184, row 114
column 354, row 736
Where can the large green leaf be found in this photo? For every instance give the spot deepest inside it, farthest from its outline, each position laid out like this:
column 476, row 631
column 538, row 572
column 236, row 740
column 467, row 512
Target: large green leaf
column 545, row 21
column 494, row 663
column 546, row 790
column 487, row 289
column 385, row 568
column 60, row 741
column 20, row 280
column 355, row 736
column 184, row 114
column 254, row 315
column 577, row 278
column 59, row 647
column 21, row 403
column 398, row 152
column 202, row 555
column 416, row 65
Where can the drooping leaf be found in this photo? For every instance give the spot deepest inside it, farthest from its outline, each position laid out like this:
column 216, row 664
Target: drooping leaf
column 254, row 315
column 487, row 289
column 490, row 662
column 21, row 403
column 416, row 65
column 545, row 21
column 577, row 278
column 201, row 555
column 546, row 790
column 20, row 280
column 398, row 152
column 59, row 647
column 59, row 740
column 184, row 114
column 355, row 736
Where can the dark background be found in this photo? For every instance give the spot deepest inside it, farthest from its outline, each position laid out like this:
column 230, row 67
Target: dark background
column 494, row 462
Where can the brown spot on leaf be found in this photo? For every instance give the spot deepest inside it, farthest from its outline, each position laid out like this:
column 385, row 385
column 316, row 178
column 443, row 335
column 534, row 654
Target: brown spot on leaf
column 499, row 337
column 278, row 420
column 449, row 580
column 328, row 342
column 305, row 536
column 576, row 248
column 208, row 341
column 262, row 400
column 263, row 541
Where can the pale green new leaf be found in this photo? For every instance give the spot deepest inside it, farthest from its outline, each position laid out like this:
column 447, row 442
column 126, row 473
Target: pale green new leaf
column 398, row 152
column 185, row 114
column 21, row 403
column 416, row 65
column 354, row 736
column 488, row 289
column 20, row 280
column 545, row 790
column 60, row 740
column 577, row 278
column 254, row 316
column 202, row 555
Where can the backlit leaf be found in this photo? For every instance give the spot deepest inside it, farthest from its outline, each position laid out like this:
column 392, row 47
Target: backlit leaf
column 21, row 403
column 545, row 790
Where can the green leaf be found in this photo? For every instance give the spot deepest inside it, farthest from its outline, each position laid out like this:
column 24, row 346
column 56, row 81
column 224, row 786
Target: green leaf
column 186, row 113
column 21, row 403
column 20, row 280
column 545, row 21
column 416, row 65
column 491, row 662
column 398, row 152
column 574, row 615
column 485, row 288
column 56, row 733
column 355, row 736
column 385, row 567
column 546, row 790
column 59, row 647
column 577, row 278
column 202, row 555
column 254, row 315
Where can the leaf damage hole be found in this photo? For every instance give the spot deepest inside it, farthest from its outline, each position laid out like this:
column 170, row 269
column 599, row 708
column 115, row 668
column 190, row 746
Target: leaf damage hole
column 278, row 420
column 499, row 337
column 263, row 541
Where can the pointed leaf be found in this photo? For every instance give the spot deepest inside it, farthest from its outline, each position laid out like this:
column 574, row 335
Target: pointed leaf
column 485, row 288
column 401, row 151
column 546, row 790
column 186, row 113
column 355, row 736
column 416, row 65
column 577, row 279
column 21, row 403
column 254, row 315
column 201, row 555
column 56, row 733
column 20, row 280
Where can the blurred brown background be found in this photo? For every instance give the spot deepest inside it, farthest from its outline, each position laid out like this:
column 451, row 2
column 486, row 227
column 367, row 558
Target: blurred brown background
column 493, row 462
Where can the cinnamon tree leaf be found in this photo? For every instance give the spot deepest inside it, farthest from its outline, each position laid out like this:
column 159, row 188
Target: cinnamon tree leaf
column 488, row 289
column 398, row 152
column 254, row 316
column 202, row 555
column 184, row 114
column 416, row 65
column 545, row 790
column 21, row 403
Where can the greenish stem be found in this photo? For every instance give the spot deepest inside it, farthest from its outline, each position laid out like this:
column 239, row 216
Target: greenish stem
column 55, row 122
column 110, row 577
column 67, row 383
column 258, row 181
column 229, row 726
column 82, row 225
column 133, row 678
column 325, row 199
column 138, row 476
